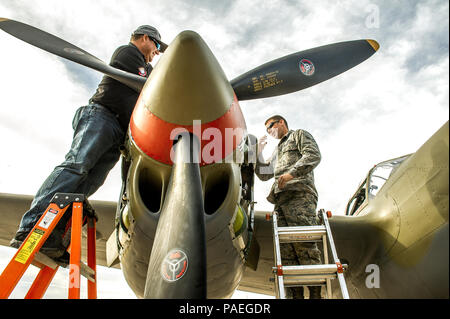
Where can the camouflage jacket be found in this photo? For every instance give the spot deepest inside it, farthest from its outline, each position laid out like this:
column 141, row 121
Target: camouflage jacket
column 297, row 154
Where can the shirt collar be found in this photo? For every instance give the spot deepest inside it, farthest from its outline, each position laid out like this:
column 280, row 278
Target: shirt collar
column 285, row 137
column 132, row 44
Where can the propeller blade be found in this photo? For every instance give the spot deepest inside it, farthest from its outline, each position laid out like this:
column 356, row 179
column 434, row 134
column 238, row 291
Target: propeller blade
column 177, row 266
column 64, row 49
column 301, row 70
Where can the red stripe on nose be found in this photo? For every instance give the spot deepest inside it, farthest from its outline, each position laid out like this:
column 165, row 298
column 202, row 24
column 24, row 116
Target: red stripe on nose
column 219, row 138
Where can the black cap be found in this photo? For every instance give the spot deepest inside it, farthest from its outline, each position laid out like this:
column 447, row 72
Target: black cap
column 152, row 33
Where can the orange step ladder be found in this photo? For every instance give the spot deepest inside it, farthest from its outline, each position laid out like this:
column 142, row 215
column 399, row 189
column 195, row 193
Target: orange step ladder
column 28, row 252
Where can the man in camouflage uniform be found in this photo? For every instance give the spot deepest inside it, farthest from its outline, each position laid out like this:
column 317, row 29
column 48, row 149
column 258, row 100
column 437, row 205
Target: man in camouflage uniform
column 293, row 192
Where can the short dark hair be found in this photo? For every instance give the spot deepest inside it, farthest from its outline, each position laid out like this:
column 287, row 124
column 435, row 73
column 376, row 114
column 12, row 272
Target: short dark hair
column 135, row 37
column 277, row 118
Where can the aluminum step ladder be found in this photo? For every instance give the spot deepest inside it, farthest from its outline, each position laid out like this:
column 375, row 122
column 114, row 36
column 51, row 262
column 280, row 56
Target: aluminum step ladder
column 307, row 275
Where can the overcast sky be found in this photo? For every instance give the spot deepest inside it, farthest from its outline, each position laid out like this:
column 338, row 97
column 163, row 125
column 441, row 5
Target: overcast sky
column 384, row 108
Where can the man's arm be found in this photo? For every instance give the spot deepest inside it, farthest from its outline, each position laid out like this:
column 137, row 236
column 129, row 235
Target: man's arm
column 310, row 154
column 264, row 170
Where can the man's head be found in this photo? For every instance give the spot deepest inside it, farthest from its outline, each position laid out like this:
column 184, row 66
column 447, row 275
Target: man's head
column 276, row 126
column 148, row 40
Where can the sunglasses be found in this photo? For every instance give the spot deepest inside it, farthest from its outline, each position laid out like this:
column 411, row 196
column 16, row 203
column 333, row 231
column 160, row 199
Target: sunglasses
column 271, row 125
column 158, row 46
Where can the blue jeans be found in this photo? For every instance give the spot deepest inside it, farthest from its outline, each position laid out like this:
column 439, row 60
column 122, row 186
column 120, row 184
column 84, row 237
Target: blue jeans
column 94, row 152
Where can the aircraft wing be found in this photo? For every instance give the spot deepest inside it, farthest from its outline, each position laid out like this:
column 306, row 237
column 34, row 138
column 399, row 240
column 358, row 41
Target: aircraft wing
column 360, row 243
column 12, row 208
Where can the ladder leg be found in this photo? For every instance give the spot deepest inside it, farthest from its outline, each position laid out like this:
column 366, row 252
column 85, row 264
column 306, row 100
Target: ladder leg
column 343, row 285
column 279, row 282
column 340, row 274
column 41, row 283
column 326, row 261
column 92, row 286
column 75, row 251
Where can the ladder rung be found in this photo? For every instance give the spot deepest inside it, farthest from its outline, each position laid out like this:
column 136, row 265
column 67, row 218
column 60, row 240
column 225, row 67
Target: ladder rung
column 301, row 233
column 44, row 260
column 308, row 269
column 297, row 281
column 87, row 272
column 310, row 277
column 308, row 274
column 313, row 280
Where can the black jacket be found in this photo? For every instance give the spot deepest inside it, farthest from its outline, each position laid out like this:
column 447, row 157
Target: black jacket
column 117, row 97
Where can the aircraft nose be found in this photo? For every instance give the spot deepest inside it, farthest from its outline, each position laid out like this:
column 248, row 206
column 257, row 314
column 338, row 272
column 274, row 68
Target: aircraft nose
column 186, row 85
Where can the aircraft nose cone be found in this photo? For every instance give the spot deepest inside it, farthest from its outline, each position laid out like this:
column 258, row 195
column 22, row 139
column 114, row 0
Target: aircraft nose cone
column 186, row 85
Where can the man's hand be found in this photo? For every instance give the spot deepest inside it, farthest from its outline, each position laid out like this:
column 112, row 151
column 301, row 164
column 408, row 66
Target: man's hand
column 283, row 179
column 262, row 142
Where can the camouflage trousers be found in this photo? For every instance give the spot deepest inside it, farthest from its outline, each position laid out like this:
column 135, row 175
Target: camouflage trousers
column 297, row 209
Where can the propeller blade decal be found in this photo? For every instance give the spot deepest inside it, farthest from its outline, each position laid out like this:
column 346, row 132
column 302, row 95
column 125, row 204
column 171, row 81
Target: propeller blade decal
column 301, row 70
column 177, row 266
column 64, row 49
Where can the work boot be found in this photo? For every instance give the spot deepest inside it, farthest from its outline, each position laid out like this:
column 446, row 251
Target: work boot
column 52, row 247
column 63, row 260
column 315, row 292
column 297, row 293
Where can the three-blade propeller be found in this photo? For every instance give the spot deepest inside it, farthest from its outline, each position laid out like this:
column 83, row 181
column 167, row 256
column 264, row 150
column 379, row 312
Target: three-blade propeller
column 285, row 75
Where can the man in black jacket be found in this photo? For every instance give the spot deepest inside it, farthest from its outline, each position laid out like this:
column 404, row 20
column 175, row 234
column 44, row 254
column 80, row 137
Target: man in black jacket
column 99, row 130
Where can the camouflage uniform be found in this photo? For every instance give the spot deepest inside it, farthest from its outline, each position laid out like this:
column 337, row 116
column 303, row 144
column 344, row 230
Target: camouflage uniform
column 297, row 154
